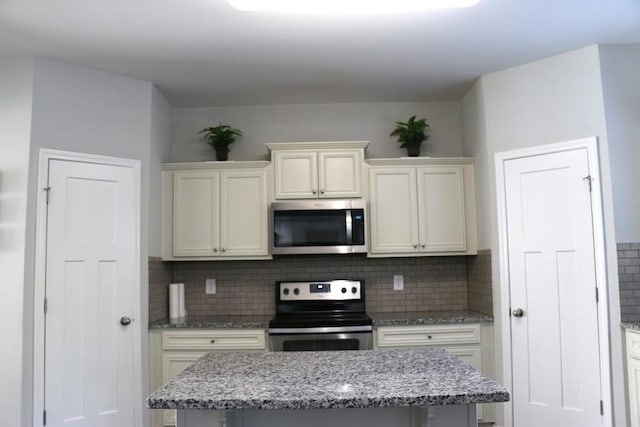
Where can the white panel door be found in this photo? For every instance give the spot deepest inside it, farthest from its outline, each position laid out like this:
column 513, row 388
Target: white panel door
column 340, row 173
column 196, row 213
column 441, row 209
column 91, row 282
column 243, row 215
column 552, row 279
column 394, row 210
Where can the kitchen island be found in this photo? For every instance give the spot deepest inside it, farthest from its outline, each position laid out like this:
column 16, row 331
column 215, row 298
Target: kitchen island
column 407, row 387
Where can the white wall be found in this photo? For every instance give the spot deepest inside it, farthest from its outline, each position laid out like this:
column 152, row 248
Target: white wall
column 16, row 81
column 547, row 101
column 321, row 122
column 620, row 66
column 160, row 152
column 84, row 110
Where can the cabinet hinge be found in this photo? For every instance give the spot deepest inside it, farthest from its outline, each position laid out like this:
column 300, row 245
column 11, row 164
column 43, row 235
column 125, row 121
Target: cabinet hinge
column 601, row 407
column 44, row 417
column 46, row 305
column 588, row 180
column 48, row 190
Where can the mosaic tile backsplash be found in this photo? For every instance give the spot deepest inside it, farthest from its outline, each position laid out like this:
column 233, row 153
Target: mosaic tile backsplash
column 246, row 287
column 629, row 277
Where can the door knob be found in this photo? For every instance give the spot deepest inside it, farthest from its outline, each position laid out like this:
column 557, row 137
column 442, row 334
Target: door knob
column 518, row 312
column 125, row 320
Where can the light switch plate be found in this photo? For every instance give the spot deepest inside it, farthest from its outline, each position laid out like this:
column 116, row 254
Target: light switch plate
column 398, row 282
column 210, row 286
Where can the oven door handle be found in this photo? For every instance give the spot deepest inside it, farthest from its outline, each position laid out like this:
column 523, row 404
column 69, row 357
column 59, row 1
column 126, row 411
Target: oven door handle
column 321, row 330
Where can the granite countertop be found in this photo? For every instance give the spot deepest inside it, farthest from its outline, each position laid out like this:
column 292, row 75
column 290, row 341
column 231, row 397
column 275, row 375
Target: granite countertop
column 379, row 319
column 428, row 318
column 327, row 379
column 216, row 322
column 631, row 325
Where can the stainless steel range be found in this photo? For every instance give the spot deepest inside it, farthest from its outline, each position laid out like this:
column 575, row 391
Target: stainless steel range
column 320, row 316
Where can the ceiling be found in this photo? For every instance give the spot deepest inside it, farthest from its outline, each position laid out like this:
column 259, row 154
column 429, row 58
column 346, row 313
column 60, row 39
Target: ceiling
column 204, row 53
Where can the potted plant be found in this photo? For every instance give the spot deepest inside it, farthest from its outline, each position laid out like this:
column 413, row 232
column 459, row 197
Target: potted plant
column 219, row 137
column 411, row 134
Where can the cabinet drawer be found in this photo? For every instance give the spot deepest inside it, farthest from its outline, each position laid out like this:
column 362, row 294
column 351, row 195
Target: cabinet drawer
column 234, row 339
column 412, row 336
column 633, row 344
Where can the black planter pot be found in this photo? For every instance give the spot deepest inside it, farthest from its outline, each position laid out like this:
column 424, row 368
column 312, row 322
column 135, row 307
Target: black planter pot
column 222, row 154
column 413, row 150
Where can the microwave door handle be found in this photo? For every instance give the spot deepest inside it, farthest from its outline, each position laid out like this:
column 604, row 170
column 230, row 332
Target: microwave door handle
column 349, row 226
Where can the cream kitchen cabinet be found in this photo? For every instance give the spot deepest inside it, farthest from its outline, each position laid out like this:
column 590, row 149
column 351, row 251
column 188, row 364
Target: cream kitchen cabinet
column 633, row 371
column 215, row 211
column 309, row 170
column 176, row 349
column 421, row 206
column 471, row 342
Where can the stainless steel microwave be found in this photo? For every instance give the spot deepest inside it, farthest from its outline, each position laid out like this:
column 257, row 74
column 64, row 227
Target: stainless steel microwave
column 319, row 227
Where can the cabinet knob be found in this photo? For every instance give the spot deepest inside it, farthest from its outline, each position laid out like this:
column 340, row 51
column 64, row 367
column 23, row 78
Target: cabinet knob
column 313, row 191
column 213, row 341
column 415, row 246
column 215, row 250
column 322, row 191
column 423, row 245
column 224, row 250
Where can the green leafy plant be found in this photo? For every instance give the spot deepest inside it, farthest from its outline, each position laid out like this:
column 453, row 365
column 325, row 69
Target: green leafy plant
column 411, row 134
column 219, row 137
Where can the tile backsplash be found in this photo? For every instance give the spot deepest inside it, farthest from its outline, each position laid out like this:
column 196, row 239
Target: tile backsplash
column 159, row 279
column 479, row 282
column 247, row 287
column 629, row 277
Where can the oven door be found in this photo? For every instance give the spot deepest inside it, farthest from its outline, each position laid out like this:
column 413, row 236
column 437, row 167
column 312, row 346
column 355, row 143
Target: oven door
column 321, row 341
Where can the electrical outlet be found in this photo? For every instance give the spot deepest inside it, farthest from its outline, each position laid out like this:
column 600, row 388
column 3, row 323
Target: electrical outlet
column 398, row 282
column 210, row 286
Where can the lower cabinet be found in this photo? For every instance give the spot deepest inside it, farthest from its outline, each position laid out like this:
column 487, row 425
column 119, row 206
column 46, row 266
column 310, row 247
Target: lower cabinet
column 174, row 350
column 471, row 342
column 633, row 371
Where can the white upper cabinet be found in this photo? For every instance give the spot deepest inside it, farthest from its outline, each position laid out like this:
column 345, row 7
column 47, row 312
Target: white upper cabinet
column 421, row 206
column 215, row 211
column 309, row 170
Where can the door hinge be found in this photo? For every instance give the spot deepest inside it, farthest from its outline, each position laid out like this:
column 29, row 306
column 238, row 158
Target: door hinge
column 46, row 305
column 44, row 417
column 47, row 189
column 597, row 295
column 588, row 180
column 601, row 407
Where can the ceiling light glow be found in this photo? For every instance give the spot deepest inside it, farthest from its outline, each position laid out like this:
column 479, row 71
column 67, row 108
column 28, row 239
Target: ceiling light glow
column 348, row 6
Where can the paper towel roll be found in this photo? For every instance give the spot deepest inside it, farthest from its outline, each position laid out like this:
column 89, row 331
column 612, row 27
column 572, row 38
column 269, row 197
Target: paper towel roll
column 177, row 310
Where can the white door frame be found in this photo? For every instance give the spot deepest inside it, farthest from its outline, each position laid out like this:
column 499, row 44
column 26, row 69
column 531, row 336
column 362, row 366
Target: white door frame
column 40, row 276
column 591, row 145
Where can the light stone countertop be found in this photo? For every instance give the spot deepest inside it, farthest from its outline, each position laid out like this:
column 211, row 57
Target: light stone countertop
column 379, row 319
column 631, row 325
column 327, row 379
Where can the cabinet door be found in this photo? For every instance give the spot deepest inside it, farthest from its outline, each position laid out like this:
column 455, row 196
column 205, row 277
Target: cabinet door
column 340, row 173
column 633, row 367
column 172, row 364
column 243, row 213
column 195, row 213
column 393, row 210
column 441, row 209
column 296, row 174
column 471, row 355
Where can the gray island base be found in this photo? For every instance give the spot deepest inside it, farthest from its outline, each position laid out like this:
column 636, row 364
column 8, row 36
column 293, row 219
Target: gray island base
column 393, row 388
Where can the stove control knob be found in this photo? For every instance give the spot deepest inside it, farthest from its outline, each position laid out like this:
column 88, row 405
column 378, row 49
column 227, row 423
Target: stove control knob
column 286, row 291
column 354, row 290
column 296, row 291
column 344, row 290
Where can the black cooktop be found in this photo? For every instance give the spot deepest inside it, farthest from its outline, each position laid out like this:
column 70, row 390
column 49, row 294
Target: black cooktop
column 312, row 320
